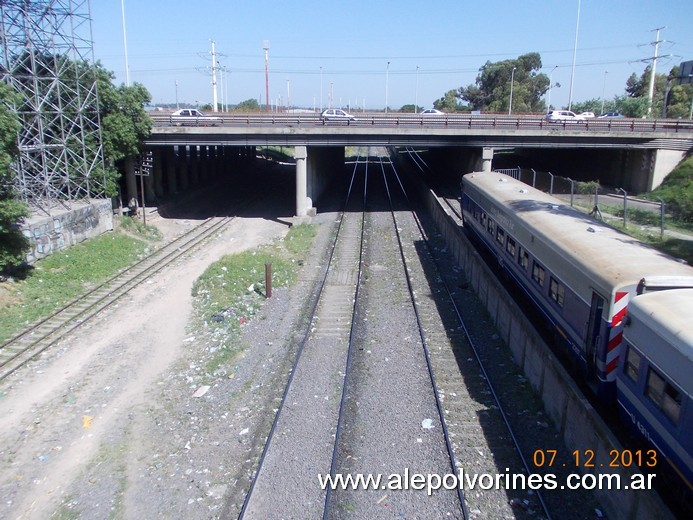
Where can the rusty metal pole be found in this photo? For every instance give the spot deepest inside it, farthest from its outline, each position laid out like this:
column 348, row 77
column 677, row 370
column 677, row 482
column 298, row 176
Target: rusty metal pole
column 268, row 280
column 144, row 208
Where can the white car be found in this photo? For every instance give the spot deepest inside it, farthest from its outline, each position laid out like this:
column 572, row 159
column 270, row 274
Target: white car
column 564, row 116
column 192, row 116
column 587, row 115
column 432, row 112
column 336, row 114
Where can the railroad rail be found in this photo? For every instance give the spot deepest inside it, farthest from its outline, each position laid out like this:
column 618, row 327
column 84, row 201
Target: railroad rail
column 320, row 359
column 425, row 307
column 22, row 347
column 337, row 338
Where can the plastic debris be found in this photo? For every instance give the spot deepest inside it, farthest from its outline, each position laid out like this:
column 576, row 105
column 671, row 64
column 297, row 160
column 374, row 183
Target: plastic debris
column 201, row 391
column 427, row 424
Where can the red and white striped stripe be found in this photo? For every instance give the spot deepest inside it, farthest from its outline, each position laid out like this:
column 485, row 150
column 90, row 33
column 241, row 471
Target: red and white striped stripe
column 620, row 308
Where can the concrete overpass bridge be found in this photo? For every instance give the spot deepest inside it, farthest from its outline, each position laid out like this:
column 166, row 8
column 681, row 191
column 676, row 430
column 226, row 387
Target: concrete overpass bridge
column 635, row 154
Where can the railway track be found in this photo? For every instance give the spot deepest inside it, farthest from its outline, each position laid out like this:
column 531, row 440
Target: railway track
column 331, row 419
column 22, row 347
column 319, row 368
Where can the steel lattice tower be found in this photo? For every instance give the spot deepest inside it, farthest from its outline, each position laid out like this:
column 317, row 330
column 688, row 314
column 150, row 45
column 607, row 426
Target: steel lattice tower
column 47, row 57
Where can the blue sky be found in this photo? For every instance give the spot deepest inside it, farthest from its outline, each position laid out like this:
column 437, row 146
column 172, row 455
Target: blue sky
column 343, row 47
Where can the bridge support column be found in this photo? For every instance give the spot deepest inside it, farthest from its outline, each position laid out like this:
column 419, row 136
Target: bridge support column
column 171, row 170
column 303, row 202
column 183, row 167
column 158, row 172
column 194, row 166
column 486, row 159
column 130, row 181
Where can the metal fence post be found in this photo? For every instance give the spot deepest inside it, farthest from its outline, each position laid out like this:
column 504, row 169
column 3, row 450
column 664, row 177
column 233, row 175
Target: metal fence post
column 550, row 185
column 572, row 190
column 534, row 178
column 661, row 225
column 625, row 206
column 268, row 280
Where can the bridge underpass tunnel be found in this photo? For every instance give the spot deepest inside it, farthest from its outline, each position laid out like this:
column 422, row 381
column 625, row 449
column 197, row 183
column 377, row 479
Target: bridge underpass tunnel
column 180, row 168
column 635, row 170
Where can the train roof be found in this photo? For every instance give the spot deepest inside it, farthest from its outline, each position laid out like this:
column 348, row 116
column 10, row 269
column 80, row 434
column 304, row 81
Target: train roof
column 605, row 254
column 660, row 327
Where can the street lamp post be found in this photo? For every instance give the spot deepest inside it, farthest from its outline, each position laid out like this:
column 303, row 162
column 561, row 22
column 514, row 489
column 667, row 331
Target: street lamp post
column 548, row 104
column 416, row 95
column 387, row 77
column 604, row 89
column 572, row 73
column 512, row 80
column 320, row 88
column 265, row 47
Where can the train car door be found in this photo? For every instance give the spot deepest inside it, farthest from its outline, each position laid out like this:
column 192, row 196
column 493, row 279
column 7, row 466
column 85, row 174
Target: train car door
column 593, row 330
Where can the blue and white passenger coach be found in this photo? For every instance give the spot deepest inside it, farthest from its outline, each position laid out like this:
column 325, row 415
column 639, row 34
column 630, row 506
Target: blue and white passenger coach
column 655, row 380
column 579, row 273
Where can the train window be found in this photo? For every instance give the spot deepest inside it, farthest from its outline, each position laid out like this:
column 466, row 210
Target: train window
column 491, row 227
column 538, row 274
column 523, row 259
column 556, row 291
column 664, row 395
column 632, row 364
column 500, row 235
column 483, row 219
column 510, row 246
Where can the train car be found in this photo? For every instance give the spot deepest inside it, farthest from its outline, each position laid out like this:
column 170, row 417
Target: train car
column 578, row 272
column 655, row 380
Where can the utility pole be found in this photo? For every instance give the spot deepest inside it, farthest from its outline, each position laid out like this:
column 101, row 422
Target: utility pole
column 650, row 93
column 265, row 46
column 214, row 77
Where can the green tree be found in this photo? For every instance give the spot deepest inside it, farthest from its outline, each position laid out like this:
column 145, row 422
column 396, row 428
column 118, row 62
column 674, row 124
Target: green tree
column 13, row 244
column 493, row 84
column 249, row 105
column 124, row 123
column 450, row 102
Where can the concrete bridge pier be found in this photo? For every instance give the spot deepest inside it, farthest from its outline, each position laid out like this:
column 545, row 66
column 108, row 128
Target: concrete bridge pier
column 170, row 167
column 158, row 172
column 194, row 165
column 486, row 159
column 182, row 162
column 304, row 205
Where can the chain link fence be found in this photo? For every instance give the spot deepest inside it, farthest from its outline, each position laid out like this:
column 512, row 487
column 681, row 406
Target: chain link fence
column 595, row 198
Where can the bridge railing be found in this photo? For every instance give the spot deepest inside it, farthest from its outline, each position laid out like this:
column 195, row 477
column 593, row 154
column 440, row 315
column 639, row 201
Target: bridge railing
column 452, row 121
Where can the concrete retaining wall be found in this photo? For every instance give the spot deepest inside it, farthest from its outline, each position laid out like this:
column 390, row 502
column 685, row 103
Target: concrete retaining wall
column 579, row 424
column 63, row 229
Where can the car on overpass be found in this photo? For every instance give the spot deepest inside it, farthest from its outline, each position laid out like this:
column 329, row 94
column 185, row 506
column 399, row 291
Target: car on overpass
column 564, row 116
column 336, row 114
column 615, row 115
column 192, row 116
column 432, row 112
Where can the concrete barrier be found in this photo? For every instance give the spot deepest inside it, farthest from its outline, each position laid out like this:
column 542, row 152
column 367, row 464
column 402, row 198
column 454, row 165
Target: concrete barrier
column 580, row 425
column 60, row 230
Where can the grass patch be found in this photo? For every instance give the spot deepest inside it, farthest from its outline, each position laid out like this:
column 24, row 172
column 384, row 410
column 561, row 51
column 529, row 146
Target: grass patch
column 63, row 276
column 645, row 226
column 136, row 227
column 231, row 291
